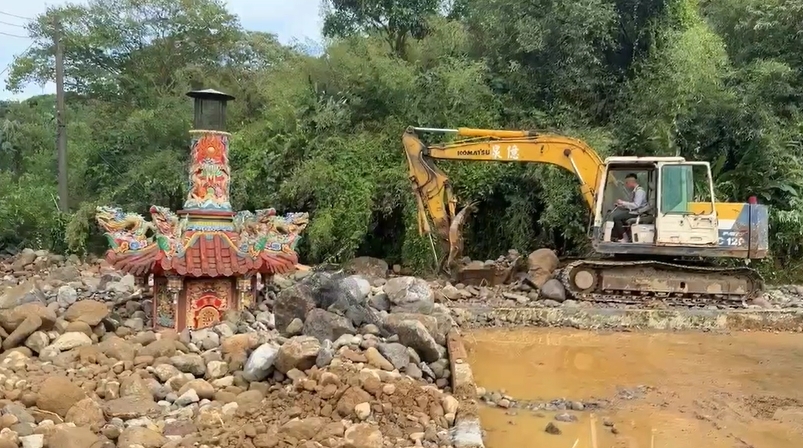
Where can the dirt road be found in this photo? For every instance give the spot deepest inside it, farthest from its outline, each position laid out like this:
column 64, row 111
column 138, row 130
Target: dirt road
column 698, row 389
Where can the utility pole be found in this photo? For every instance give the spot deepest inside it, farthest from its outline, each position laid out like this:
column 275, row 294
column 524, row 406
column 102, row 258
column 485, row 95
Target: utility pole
column 61, row 128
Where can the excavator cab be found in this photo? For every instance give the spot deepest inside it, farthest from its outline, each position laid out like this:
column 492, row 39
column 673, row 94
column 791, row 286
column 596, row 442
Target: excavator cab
column 680, row 209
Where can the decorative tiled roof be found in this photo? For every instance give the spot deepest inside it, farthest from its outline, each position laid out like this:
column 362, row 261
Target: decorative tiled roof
column 208, row 254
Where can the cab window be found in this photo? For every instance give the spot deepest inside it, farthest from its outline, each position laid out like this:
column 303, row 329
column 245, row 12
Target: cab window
column 685, row 189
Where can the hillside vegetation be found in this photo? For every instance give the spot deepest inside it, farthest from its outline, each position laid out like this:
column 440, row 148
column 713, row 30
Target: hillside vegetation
column 711, row 80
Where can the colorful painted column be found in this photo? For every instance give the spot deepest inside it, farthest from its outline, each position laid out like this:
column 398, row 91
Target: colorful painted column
column 209, row 172
column 208, row 207
column 209, row 169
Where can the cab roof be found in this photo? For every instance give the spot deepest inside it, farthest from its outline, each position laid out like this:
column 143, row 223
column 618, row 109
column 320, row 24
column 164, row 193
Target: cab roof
column 639, row 160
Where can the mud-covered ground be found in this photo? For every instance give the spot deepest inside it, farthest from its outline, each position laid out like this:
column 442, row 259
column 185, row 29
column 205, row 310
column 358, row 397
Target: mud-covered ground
column 668, row 390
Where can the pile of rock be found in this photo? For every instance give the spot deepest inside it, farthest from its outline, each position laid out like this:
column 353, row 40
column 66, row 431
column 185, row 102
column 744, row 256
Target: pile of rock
column 502, row 263
column 328, row 360
column 58, row 281
column 332, row 306
column 536, row 287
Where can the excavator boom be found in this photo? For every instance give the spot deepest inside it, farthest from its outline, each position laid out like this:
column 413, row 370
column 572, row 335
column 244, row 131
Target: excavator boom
column 434, row 195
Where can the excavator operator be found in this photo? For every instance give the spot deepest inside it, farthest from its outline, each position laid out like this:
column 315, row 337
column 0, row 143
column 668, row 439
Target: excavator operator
column 627, row 209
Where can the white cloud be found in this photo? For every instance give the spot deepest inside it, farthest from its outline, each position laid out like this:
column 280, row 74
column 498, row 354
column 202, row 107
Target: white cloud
column 291, row 20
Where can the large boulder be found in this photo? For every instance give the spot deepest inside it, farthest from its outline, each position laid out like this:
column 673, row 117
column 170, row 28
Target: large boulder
column 357, row 286
column 90, row 311
column 553, row 289
column 10, row 319
column 368, row 266
column 294, row 302
column 57, row 394
column 410, row 295
column 347, row 296
column 437, row 325
column 298, row 352
column 541, row 264
column 322, row 325
column 412, row 333
column 260, row 362
column 26, row 292
column 335, row 290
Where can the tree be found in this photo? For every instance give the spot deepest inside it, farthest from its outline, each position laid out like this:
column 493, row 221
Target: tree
column 714, row 81
column 395, row 20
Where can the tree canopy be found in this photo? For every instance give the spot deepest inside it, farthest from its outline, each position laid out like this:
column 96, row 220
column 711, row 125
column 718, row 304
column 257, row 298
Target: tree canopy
column 718, row 81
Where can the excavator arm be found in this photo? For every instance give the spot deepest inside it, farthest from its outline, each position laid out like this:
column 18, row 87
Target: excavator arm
column 433, row 191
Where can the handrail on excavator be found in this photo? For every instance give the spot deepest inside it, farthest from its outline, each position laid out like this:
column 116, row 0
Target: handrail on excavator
column 474, row 132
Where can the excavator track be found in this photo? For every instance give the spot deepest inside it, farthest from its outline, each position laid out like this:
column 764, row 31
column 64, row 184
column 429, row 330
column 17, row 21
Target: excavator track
column 637, row 282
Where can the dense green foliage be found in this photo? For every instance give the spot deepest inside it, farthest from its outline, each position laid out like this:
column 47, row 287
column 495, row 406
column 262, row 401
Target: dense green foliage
column 710, row 80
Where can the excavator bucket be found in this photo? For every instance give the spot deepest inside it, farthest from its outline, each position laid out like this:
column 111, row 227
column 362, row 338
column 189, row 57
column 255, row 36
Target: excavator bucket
column 475, row 273
column 456, row 236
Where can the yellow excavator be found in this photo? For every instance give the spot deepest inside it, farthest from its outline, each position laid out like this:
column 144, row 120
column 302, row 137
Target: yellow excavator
column 671, row 240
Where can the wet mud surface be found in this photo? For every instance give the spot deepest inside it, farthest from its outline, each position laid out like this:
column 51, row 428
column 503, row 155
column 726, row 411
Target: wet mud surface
column 655, row 390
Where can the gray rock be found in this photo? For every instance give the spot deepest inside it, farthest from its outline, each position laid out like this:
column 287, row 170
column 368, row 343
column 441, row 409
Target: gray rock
column 566, row 417
column 346, row 296
column 395, row 353
column 413, row 371
column 71, row 340
column 412, row 333
column 267, row 318
column 293, row 303
column 357, row 286
column 48, row 354
column 225, row 330
column 439, row 367
column 66, row 296
column 216, row 369
column 553, row 289
column 24, row 293
column 24, row 258
column 187, row 398
column 37, row 341
column 370, row 266
column 409, row 295
column 33, row 441
column 380, row 302
column 19, row 411
column 107, row 278
column 325, row 355
column 552, row 429
column 295, row 327
column 327, row 289
column 206, row 339
column 135, row 323
column 323, row 325
column 190, row 363
column 438, row 325
column 260, row 363
column 427, row 371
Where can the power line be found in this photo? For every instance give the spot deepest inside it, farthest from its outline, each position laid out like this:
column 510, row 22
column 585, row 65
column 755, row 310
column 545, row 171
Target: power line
column 14, row 35
column 12, row 24
column 23, row 51
column 14, row 15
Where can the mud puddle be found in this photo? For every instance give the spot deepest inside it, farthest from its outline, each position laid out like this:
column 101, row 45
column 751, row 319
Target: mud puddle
column 658, row 390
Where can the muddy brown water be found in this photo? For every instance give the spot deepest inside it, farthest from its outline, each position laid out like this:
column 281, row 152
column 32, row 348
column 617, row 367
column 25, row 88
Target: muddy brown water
column 707, row 390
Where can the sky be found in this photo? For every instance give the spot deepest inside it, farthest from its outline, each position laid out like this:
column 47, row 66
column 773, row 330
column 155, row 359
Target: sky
column 291, row 20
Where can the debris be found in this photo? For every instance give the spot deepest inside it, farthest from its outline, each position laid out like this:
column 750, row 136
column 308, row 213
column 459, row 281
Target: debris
column 80, row 348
